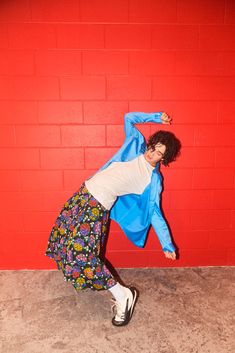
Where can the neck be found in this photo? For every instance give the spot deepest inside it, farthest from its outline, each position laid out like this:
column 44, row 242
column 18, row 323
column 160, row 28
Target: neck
column 147, row 159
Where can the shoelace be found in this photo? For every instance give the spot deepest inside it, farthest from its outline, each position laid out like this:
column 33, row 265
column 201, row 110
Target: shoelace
column 117, row 309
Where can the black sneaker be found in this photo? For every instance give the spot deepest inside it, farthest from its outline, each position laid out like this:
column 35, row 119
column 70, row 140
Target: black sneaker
column 124, row 310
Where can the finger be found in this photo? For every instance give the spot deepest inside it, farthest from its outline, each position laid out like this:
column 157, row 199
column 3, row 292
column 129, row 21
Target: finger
column 165, row 116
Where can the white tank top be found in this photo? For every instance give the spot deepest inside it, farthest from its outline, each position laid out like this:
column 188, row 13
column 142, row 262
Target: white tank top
column 120, row 178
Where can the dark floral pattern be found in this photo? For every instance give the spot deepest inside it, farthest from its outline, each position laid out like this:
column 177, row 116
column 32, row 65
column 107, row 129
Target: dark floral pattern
column 75, row 241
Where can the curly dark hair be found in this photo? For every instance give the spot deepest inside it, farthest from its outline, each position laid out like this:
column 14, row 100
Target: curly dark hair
column 172, row 143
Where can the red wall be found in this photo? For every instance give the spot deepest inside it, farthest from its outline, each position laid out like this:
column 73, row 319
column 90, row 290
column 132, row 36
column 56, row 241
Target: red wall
column 69, row 70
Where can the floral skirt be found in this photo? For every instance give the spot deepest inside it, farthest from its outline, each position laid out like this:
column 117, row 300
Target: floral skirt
column 76, row 239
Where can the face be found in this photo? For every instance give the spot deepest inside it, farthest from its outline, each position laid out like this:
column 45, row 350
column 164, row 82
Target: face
column 156, row 155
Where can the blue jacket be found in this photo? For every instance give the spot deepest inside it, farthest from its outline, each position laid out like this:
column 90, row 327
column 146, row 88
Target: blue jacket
column 135, row 213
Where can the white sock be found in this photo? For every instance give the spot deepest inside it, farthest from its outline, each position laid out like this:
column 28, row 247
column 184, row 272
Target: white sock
column 119, row 292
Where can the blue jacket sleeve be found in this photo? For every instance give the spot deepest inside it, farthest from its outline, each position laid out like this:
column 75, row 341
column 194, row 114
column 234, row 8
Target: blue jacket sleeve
column 159, row 225
column 133, row 118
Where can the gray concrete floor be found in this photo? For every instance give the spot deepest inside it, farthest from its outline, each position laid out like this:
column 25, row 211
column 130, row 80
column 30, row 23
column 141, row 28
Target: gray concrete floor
column 180, row 310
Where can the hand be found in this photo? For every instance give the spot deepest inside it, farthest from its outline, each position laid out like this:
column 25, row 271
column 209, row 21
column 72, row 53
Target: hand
column 166, row 119
column 170, row 255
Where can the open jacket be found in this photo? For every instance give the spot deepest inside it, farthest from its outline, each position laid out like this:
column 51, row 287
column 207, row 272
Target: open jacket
column 135, row 213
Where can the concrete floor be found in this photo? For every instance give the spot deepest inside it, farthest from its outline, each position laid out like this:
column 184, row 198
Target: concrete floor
column 183, row 310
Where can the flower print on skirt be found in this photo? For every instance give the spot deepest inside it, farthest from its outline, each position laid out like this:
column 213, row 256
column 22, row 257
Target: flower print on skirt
column 75, row 241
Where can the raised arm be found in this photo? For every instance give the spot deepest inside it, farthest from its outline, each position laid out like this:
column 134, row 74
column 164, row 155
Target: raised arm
column 138, row 117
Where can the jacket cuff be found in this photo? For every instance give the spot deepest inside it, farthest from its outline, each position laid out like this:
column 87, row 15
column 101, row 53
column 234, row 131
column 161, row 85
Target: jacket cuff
column 169, row 247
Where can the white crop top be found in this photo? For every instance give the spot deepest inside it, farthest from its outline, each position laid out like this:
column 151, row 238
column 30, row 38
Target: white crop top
column 120, row 178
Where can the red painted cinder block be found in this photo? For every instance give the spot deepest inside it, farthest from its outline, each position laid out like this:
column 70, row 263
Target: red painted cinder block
column 223, row 199
column 39, row 135
column 74, row 178
column 7, row 137
column 11, row 202
column 55, row 10
column 104, row 11
column 119, row 241
column 114, row 227
column 60, row 112
column 175, row 88
column 128, row 259
column 200, row 12
column 83, row 135
column 231, row 257
column 126, row 36
column 177, row 178
column 96, row 157
column 226, row 112
column 105, row 62
column 21, row 112
column 83, row 87
column 222, row 240
column 42, row 220
column 191, row 239
column 226, row 63
column 30, row 201
column 9, row 180
column 7, row 224
column 224, row 157
column 61, row 158
column 165, row 200
column 128, row 88
column 145, row 129
column 196, row 63
column 230, row 12
column 58, row 62
column 232, row 219
column 158, row 63
column 202, row 257
column 217, row 135
column 19, row 158
column 49, row 180
column 196, row 157
column 24, row 65
column 104, row 112
column 18, row 239
column 178, row 37
column 115, row 135
column 191, row 199
column 153, row 11
column 29, row 88
column 215, row 88
column 80, row 36
column 3, row 36
column 31, row 35
column 54, row 200
column 219, row 37
column 42, row 200
column 178, row 220
column 211, row 220
column 10, row 11
column 28, row 260
column 213, row 178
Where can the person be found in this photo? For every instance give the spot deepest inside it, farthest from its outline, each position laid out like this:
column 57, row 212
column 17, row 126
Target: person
column 126, row 189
